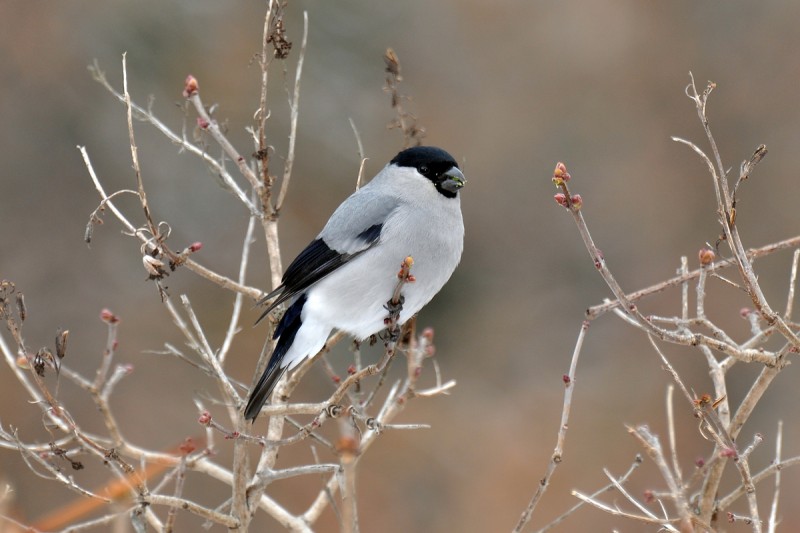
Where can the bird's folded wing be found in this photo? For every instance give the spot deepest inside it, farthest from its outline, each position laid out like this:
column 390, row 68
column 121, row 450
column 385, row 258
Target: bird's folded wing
column 354, row 228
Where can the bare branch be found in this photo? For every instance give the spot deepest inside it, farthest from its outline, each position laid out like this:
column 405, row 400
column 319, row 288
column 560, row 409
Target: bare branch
column 555, row 459
column 653, row 448
column 787, row 315
column 673, row 448
column 134, row 150
column 621, row 481
column 772, row 523
column 754, row 253
column 294, row 103
column 617, row 512
column 188, row 505
column 145, row 115
column 233, row 325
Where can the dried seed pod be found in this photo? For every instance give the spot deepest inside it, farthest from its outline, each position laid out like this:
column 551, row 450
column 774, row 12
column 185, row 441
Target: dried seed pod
column 21, row 309
column 61, row 343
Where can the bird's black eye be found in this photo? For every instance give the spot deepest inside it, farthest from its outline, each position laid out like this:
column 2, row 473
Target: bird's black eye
column 423, row 169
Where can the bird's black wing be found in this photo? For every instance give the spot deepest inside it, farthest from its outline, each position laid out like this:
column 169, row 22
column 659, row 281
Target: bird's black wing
column 315, row 262
column 353, row 228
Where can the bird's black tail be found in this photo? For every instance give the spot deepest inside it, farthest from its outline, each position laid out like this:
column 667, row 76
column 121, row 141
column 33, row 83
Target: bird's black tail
column 285, row 333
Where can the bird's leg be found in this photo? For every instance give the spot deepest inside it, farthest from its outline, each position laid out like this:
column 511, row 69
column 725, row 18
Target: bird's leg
column 391, row 321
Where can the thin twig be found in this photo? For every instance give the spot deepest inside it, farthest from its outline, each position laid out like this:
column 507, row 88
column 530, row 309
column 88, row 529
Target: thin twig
column 348, row 447
column 195, row 267
column 752, row 397
column 673, row 447
column 188, row 505
column 754, row 253
column 726, row 211
column 617, row 512
column 391, row 407
column 622, row 479
column 262, row 114
column 772, row 523
column 619, row 486
column 653, row 448
column 361, row 156
column 294, row 103
column 233, row 325
column 787, row 315
column 134, row 150
column 144, row 114
column 212, row 127
column 231, row 397
column 629, row 308
column 180, row 479
column 556, row 458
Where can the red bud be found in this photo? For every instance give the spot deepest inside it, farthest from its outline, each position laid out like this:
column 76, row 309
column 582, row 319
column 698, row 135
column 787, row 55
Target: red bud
column 188, row 446
column 108, row 317
column 728, row 452
column 560, row 174
column 189, row 86
column 706, row 256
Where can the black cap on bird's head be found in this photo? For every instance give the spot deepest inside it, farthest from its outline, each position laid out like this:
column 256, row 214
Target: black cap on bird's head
column 436, row 165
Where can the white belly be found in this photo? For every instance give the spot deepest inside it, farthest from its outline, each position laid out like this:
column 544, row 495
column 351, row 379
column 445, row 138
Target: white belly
column 355, row 304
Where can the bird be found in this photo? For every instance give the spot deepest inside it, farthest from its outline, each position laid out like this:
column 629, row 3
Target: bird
column 344, row 278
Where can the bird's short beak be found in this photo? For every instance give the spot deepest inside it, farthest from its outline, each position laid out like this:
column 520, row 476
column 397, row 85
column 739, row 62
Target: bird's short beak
column 455, row 180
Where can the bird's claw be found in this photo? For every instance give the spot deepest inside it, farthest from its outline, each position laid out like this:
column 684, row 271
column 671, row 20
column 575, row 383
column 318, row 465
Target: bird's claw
column 393, row 307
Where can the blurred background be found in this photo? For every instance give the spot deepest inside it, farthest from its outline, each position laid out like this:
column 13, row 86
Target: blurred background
column 507, row 87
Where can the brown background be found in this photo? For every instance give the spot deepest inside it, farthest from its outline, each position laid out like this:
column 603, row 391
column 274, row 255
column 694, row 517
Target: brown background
column 508, row 88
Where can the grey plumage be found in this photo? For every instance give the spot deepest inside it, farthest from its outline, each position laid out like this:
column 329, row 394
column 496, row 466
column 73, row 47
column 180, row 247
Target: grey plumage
column 344, row 278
